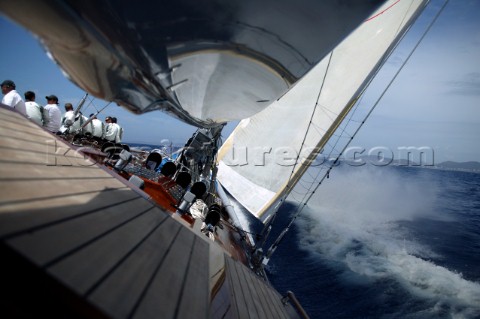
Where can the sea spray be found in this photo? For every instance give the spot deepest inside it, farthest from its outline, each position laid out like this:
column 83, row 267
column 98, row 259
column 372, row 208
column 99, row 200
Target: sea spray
column 354, row 223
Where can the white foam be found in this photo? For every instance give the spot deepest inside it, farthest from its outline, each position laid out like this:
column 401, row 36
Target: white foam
column 353, row 221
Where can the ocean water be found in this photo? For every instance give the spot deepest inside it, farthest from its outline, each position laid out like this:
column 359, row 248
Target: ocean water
column 385, row 242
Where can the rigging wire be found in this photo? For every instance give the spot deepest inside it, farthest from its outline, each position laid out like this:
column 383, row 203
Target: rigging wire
column 287, row 188
column 309, row 194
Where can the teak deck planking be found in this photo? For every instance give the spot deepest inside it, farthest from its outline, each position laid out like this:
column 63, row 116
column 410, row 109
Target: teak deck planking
column 113, row 253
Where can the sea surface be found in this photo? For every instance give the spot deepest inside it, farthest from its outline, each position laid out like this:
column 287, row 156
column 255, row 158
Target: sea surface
column 384, row 242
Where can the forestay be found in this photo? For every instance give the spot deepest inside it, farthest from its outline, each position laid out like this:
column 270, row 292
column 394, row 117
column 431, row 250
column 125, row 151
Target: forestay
column 258, row 162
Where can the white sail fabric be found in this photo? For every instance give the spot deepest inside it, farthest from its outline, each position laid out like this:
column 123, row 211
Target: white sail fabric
column 257, row 159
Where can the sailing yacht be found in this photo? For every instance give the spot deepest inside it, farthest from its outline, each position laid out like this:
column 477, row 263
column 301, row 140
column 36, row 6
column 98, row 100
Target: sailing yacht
column 126, row 243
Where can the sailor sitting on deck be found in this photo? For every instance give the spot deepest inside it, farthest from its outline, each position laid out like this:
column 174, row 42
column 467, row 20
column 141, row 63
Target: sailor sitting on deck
column 52, row 116
column 111, row 131
column 11, row 97
column 98, row 128
column 119, row 137
column 69, row 117
column 73, row 123
column 34, row 110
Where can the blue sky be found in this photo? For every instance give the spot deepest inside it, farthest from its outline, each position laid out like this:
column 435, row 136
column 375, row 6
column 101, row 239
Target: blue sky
column 434, row 102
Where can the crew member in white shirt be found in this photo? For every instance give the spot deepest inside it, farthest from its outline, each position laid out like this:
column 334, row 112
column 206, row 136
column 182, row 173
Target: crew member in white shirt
column 51, row 114
column 73, row 123
column 98, row 128
column 12, row 98
column 118, row 138
column 34, row 110
column 111, row 130
column 69, row 117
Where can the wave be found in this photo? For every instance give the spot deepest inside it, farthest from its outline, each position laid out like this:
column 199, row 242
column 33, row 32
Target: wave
column 354, row 223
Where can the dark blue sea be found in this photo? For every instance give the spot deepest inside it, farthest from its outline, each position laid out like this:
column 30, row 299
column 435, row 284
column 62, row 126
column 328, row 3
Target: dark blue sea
column 385, row 242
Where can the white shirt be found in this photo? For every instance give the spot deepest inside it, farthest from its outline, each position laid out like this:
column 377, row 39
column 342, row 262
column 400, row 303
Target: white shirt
column 111, row 132
column 52, row 117
column 69, row 118
column 118, row 138
column 68, row 121
column 88, row 128
column 98, row 128
column 73, row 124
column 13, row 99
column 34, row 112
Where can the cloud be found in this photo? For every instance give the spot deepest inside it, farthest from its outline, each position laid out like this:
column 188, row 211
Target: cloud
column 469, row 84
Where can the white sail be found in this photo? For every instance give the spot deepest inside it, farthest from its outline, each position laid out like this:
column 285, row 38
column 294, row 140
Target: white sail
column 256, row 161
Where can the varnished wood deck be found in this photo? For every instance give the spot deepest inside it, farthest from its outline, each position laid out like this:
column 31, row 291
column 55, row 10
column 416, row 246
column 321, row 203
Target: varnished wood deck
column 78, row 242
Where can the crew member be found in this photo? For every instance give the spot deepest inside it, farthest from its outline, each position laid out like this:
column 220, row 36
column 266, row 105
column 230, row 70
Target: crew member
column 52, row 117
column 111, row 130
column 12, row 98
column 118, row 138
column 34, row 110
column 98, row 128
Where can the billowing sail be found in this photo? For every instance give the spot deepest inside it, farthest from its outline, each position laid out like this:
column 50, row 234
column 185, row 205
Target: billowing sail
column 205, row 62
column 257, row 161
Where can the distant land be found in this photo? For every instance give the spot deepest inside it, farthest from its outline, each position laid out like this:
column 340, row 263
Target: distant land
column 462, row 166
column 471, row 166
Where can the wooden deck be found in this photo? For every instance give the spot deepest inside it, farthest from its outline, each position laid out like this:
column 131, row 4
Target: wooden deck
column 78, row 242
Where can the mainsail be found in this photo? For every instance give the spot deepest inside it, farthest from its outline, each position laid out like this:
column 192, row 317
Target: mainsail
column 268, row 153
